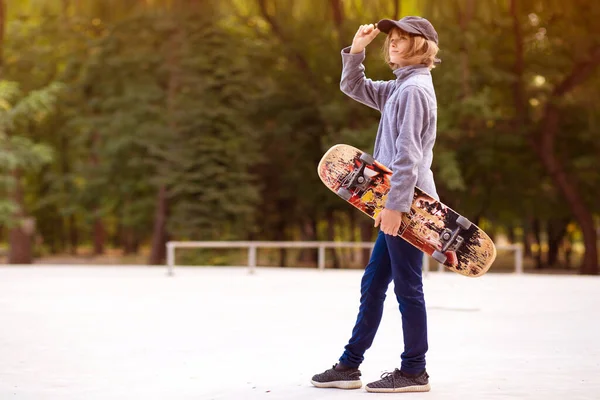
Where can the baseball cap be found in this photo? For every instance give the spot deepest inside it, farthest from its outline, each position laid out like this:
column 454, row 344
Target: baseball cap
column 416, row 25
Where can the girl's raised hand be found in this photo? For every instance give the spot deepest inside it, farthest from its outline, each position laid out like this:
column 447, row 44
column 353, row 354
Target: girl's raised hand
column 363, row 37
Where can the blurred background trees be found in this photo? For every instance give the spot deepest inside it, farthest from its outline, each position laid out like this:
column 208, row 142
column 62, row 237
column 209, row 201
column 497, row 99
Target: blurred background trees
column 124, row 124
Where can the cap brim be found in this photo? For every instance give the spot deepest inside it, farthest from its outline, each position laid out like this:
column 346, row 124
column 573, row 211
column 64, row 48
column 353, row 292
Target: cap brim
column 386, row 25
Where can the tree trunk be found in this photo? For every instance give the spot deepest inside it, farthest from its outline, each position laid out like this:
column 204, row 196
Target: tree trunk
column 56, row 244
column 566, row 185
column 98, row 226
column 397, row 9
column 73, row 235
column 21, row 234
column 21, row 242
column 337, row 9
column 556, row 231
column 118, row 238
column 99, row 237
column 158, row 253
column 20, row 239
column 511, row 234
column 129, row 241
column 280, row 231
column 527, row 239
column 160, row 236
column 282, row 258
column 543, row 145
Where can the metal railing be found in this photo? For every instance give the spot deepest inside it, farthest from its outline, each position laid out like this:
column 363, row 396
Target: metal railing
column 321, row 246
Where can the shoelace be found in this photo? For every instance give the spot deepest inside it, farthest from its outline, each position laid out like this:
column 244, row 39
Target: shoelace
column 391, row 376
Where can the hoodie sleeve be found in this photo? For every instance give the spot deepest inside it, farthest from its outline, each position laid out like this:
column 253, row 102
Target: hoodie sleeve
column 412, row 121
column 354, row 83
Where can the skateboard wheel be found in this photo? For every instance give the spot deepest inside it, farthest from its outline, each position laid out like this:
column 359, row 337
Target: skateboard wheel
column 367, row 159
column 463, row 222
column 439, row 256
column 344, row 193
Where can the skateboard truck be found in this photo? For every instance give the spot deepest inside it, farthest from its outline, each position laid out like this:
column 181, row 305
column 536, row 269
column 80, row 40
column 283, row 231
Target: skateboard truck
column 451, row 241
column 358, row 179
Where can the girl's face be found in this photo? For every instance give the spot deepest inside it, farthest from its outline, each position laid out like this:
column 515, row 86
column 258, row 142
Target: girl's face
column 398, row 45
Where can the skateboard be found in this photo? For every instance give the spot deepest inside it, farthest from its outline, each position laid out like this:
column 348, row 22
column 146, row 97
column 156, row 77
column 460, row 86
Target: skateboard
column 431, row 226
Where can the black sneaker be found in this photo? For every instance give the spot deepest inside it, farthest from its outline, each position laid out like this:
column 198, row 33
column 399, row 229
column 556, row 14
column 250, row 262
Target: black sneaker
column 398, row 381
column 340, row 379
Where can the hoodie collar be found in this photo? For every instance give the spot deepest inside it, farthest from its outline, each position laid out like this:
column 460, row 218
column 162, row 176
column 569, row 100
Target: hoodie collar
column 404, row 72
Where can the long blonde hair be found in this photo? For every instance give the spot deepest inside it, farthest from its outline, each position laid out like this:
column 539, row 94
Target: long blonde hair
column 419, row 51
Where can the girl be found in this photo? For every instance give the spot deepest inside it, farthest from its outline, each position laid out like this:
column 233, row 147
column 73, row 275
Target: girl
column 404, row 143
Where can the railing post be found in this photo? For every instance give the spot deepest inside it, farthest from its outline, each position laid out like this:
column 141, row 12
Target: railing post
column 425, row 264
column 251, row 258
column 518, row 259
column 322, row 257
column 170, row 258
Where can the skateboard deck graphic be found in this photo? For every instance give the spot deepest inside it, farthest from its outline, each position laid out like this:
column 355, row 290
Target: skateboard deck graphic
column 430, row 225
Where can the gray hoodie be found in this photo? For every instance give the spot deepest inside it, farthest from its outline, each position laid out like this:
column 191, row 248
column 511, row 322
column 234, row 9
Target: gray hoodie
column 407, row 128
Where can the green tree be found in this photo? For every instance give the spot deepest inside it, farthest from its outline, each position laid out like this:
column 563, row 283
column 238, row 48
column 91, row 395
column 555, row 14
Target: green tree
column 20, row 155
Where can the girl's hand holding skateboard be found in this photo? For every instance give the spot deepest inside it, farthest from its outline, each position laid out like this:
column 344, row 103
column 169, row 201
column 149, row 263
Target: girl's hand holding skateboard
column 390, row 221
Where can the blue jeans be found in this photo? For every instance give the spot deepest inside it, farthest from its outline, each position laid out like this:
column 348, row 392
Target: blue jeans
column 392, row 259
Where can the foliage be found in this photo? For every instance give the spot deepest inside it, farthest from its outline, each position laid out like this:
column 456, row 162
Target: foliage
column 229, row 106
